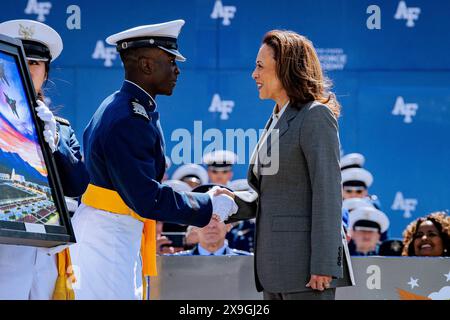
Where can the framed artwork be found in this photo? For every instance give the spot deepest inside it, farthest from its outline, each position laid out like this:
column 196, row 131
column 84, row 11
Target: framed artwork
column 32, row 207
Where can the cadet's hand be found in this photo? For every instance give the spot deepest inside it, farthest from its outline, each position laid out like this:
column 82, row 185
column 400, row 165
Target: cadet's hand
column 319, row 282
column 44, row 113
column 223, row 205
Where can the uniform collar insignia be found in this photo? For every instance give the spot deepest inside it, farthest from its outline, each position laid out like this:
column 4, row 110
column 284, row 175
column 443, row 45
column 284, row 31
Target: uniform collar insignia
column 139, row 110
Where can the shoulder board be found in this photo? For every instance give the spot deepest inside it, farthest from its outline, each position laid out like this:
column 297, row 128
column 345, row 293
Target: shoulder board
column 62, row 121
column 139, row 110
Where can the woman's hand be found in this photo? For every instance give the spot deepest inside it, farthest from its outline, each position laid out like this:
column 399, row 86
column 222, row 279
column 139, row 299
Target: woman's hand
column 319, row 282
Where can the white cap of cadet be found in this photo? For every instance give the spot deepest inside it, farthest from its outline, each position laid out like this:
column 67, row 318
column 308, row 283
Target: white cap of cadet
column 357, row 177
column 161, row 35
column 40, row 42
column 178, row 185
column 367, row 218
column 189, row 170
column 355, row 203
column 220, row 160
column 352, row 160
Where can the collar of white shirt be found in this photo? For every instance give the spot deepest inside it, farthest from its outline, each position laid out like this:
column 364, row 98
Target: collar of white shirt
column 278, row 115
column 203, row 252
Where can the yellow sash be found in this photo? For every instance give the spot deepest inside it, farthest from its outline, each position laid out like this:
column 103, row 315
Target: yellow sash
column 63, row 286
column 109, row 200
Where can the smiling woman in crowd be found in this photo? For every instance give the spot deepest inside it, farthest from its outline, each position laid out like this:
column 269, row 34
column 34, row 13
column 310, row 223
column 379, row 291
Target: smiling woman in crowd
column 428, row 236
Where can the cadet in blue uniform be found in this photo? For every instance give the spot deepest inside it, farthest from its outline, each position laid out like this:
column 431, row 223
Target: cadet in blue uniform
column 366, row 225
column 29, row 272
column 212, row 238
column 356, row 181
column 124, row 154
column 71, row 169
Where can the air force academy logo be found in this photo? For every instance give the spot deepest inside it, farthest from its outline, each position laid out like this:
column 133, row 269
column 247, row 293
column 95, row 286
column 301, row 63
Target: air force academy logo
column 224, row 107
column 409, row 14
column 224, row 12
column 106, row 53
column 40, row 8
column 407, row 110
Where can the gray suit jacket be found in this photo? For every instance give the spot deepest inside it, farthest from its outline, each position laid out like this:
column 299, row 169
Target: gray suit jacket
column 298, row 205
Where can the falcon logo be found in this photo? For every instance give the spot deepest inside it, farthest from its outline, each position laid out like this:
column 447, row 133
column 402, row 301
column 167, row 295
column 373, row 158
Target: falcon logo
column 26, row 32
column 409, row 14
column 224, row 107
column 108, row 54
column 224, row 12
column 406, row 205
column 408, row 110
column 40, row 8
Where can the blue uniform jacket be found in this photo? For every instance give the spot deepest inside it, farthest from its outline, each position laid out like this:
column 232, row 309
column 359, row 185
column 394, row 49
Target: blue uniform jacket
column 124, row 152
column 71, row 170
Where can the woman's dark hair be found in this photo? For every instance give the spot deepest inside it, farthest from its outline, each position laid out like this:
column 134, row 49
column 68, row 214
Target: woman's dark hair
column 40, row 93
column 440, row 220
column 299, row 70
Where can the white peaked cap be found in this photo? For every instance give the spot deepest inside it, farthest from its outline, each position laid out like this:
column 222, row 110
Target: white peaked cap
column 352, row 159
column 191, row 169
column 162, row 35
column 355, row 203
column 357, row 174
column 178, row 185
column 220, row 157
column 369, row 214
column 35, row 31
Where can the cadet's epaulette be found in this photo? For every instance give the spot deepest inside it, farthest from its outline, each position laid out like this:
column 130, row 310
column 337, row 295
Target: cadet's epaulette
column 62, row 121
column 139, row 110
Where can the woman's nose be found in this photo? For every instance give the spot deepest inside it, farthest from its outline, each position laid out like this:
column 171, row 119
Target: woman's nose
column 254, row 75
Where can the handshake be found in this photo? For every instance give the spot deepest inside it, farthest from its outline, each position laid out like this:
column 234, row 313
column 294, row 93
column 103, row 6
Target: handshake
column 223, row 203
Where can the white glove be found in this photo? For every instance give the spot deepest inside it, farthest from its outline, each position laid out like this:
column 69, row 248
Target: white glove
column 44, row 113
column 223, row 205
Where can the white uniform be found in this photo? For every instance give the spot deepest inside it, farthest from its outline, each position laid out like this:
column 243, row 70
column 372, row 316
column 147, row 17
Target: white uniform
column 26, row 273
column 113, row 240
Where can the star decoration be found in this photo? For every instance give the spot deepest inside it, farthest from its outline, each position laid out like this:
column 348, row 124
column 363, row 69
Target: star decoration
column 413, row 282
column 447, row 276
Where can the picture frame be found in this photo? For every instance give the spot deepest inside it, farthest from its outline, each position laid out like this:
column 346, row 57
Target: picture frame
column 32, row 207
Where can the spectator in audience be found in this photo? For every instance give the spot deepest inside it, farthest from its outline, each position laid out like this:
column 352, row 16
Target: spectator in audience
column 211, row 238
column 428, row 236
column 191, row 173
column 366, row 226
column 220, row 166
column 212, row 242
column 191, row 236
column 356, row 179
column 391, row 247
